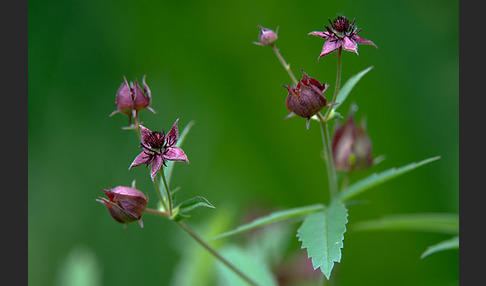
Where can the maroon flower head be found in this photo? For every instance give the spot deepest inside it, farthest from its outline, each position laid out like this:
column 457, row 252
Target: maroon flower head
column 351, row 147
column 307, row 98
column 266, row 37
column 159, row 147
column 125, row 204
column 341, row 34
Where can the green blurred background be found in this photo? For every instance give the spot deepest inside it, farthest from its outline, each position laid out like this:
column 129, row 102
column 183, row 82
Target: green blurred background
column 201, row 65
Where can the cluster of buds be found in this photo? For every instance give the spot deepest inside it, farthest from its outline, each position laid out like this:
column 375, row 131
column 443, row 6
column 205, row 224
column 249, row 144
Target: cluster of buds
column 341, row 34
column 131, row 98
column 125, row 204
column 307, row 98
column 351, row 146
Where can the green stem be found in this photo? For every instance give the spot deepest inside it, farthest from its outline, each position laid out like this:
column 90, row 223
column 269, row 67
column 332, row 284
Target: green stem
column 204, row 244
column 215, row 253
column 161, row 197
column 285, row 65
column 157, row 212
column 167, row 191
column 338, row 81
column 326, row 142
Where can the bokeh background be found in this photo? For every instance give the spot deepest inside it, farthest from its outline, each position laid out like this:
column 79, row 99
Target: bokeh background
column 201, row 65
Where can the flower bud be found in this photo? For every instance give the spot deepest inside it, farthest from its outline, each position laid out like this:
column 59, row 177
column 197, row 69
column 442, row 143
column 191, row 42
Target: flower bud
column 351, row 147
column 124, row 99
column 307, row 98
column 141, row 98
column 125, row 204
column 132, row 98
column 266, row 37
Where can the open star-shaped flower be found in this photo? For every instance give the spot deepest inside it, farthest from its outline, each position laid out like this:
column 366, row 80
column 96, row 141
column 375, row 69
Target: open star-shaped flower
column 159, row 147
column 341, row 34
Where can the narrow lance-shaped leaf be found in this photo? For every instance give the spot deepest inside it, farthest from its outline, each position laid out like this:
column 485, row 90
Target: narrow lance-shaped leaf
column 322, row 233
column 377, row 179
column 441, row 246
column 190, row 204
column 274, row 217
column 349, row 85
column 182, row 210
column 428, row 222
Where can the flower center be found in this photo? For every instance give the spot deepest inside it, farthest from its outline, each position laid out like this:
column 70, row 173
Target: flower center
column 341, row 26
column 155, row 141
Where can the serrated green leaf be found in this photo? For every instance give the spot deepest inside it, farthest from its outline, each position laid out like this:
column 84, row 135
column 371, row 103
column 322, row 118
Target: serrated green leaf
column 251, row 265
column 441, row 246
column 170, row 164
column 429, row 222
column 273, row 217
column 376, row 179
column 322, row 234
column 190, row 204
column 349, row 85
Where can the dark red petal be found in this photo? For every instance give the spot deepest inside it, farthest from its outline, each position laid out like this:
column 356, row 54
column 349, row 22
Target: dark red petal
column 174, row 132
column 176, row 154
column 330, row 46
column 145, row 133
column 350, row 45
column 156, row 165
column 363, row 41
column 142, row 158
column 319, row 34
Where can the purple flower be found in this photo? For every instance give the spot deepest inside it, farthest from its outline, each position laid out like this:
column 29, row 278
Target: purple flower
column 125, row 204
column 159, row 147
column 307, row 98
column 266, row 37
column 342, row 33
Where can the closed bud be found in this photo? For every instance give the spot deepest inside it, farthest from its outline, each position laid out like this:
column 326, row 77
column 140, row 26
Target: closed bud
column 125, row 204
column 266, row 37
column 131, row 98
column 124, row 99
column 307, row 98
column 141, row 97
column 351, row 147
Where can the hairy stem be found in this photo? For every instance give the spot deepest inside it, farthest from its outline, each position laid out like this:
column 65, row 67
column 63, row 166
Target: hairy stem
column 204, row 244
column 285, row 65
column 326, row 142
column 157, row 212
column 167, row 191
column 338, row 81
column 215, row 253
column 161, row 197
